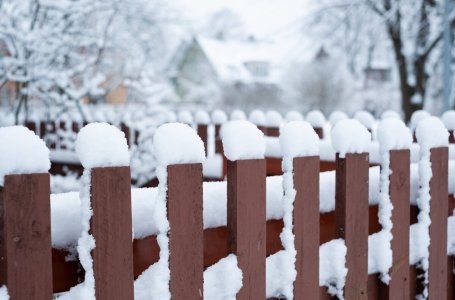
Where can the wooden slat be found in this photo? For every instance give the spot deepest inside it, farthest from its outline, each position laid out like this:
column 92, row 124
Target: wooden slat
column 25, row 237
column 186, row 238
column 399, row 189
column 246, row 223
column 351, row 209
column 437, row 272
column 319, row 131
column 273, row 131
column 111, row 226
column 126, row 130
column 218, row 140
column 306, row 227
column 202, row 132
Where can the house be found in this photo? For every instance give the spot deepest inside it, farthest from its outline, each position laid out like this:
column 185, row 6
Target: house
column 206, row 70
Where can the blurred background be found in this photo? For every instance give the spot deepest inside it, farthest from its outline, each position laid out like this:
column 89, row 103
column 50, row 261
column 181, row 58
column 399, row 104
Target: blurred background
column 63, row 56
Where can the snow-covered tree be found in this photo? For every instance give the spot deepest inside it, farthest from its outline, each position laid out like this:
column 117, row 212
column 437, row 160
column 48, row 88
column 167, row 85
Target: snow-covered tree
column 412, row 28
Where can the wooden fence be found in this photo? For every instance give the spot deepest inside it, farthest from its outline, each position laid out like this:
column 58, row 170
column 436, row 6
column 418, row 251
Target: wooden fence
column 31, row 269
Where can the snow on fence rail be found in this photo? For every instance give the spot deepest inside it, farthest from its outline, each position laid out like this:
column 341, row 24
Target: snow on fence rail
column 178, row 227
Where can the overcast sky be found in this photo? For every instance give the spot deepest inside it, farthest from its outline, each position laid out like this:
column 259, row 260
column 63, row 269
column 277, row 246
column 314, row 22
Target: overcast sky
column 261, row 17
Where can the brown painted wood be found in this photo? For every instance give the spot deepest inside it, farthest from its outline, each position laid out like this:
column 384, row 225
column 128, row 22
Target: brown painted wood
column 274, row 166
column 399, row 189
column 319, row 131
column 111, row 226
column 246, row 223
column 272, row 131
column 451, row 137
column 437, row 272
column 351, row 209
column 306, row 227
column 146, row 252
column 186, row 237
column 25, row 237
column 66, row 272
column 451, row 259
column 42, row 129
column 262, row 128
column 202, row 132
column 218, row 140
column 126, row 130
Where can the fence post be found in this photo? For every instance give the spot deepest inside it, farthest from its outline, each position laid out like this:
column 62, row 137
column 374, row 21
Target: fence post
column 25, row 236
column 437, row 270
column 126, row 130
column 186, row 238
column 111, row 226
column 399, row 188
column 306, row 227
column 351, row 209
column 246, row 223
column 202, row 132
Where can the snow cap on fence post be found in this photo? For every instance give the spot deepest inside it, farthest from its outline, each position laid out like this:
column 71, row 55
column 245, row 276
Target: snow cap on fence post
column 431, row 133
column 102, row 145
column 238, row 115
column 273, row 119
column 177, row 143
column 316, row 118
column 218, row 117
column 393, row 135
column 185, row 116
column 293, row 115
column 202, row 117
column 448, row 118
column 257, row 117
column 298, row 138
column 242, row 140
column 22, row 152
column 416, row 117
column 350, row 136
column 390, row 114
column 365, row 118
column 337, row 116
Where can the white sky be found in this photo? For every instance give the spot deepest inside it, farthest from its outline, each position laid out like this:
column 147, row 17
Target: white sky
column 261, row 17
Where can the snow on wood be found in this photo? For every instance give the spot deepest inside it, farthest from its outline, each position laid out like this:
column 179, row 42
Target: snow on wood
column 242, row 140
column 298, row 138
column 257, row 117
column 316, row 118
column 350, row 136
column 22, row 152
column 273, row 119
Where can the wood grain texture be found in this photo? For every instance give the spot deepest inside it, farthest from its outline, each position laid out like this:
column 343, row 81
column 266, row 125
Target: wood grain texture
column 437, row 272
column 186, row 238
column 306, row 227
column 25, row 237
column 351, row 208
column 246, row 223
column 111, row 226
column 399, row 189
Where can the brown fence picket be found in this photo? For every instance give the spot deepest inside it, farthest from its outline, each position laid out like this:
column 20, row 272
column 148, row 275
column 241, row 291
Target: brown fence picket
column 351, row 208
column 319, row 131
column 111, row 226
column 306, row 227
column 399, row 189
column 451, row 137
column 25, row 236
column 186, row 238
column 272, row 131
column 437, row 272
column 203, row 134
column 126, row 130
column 246, row 223
column 218, row 140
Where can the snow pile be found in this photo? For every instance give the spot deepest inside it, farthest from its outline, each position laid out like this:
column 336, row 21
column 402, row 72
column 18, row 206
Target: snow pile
column 448, row 118
column 280, row 274
column 337, row 116
column 202, row 117
column 390, row 114
column 293, row 115
column 102, row 145
column 392, row 135
column 332, row 266
column 430, row 133
column 218, row 117
column 22, row 152
column 223, row 280
column 171, row 117
column 242, row 140
column 273, row 119
column 177, row 143
column 298, row 138
column 416, row 117
column 238, row 115
column 257, row 117
column 350, row 136
column 185, row 116
column 365, row 118
column 316, row 118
